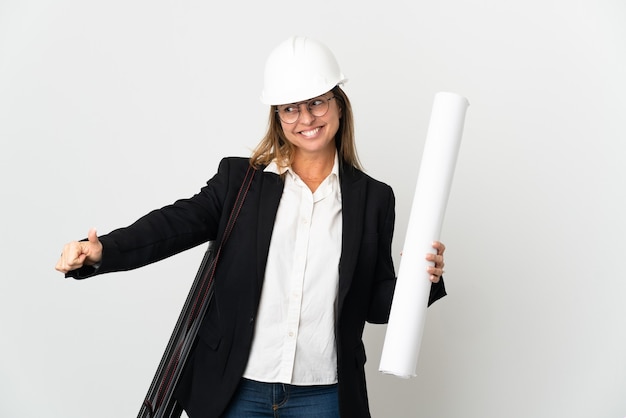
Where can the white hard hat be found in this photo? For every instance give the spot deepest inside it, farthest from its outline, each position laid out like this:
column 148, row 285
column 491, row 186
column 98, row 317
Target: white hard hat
column 298, row 69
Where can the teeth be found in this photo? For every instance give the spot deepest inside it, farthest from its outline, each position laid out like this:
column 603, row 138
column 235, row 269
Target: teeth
column 311, row 132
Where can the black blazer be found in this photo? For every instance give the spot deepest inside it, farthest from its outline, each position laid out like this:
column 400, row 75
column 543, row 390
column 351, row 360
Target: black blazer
column 219, row 357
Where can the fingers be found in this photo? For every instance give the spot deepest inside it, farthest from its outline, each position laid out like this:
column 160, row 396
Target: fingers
column 436, row 270
column 435, row 273
column 439, row 247
column 72, row 257
column 437, row 259
column 78, row 253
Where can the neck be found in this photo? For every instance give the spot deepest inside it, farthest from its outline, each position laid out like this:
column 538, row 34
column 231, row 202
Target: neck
column 314, row 170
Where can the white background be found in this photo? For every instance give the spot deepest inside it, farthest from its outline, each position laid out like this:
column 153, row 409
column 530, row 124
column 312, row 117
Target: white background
column 109, row 109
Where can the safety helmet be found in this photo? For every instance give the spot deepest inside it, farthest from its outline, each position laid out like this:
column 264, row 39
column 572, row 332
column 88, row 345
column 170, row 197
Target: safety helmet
column 298, row 69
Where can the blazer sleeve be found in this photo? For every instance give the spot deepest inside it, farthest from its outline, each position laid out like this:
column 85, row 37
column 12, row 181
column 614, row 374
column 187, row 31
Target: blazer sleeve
column 166, row 231
column 384, row 287
column 384, row 279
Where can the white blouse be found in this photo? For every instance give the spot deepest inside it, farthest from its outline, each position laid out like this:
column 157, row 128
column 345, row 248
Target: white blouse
column 294, row 340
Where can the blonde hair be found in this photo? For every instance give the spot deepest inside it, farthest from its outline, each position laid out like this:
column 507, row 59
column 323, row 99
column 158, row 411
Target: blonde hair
column 275, row 145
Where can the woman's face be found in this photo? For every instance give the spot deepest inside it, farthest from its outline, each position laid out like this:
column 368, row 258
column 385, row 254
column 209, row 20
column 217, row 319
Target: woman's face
column 313, row 135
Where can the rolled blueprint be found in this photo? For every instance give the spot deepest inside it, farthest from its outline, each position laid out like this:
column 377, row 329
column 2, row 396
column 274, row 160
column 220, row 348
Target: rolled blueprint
column 410, row 300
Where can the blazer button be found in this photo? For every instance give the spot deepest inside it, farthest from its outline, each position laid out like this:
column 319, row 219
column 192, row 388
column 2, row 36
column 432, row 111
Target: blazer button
column 251, row 320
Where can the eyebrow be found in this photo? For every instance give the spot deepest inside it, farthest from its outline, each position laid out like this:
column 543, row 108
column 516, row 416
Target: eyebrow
column 303, row 101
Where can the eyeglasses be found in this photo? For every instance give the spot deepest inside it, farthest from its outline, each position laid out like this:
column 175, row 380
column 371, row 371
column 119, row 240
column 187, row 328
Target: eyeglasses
column 290, row 113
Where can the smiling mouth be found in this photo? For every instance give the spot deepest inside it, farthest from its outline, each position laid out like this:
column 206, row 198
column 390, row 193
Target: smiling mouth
column 310, row 133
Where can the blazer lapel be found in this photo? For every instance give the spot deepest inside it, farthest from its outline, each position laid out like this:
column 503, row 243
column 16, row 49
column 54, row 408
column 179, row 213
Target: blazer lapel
column 271, row 190
column 353, row 201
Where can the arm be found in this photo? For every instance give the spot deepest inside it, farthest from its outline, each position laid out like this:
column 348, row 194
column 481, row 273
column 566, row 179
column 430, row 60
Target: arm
column 155, row 236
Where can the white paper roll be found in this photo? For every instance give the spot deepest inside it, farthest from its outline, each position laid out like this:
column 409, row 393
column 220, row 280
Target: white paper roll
column 410, row 300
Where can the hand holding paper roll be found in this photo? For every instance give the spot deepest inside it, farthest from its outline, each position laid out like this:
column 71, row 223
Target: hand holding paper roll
column 408, row 310
column 436, row 269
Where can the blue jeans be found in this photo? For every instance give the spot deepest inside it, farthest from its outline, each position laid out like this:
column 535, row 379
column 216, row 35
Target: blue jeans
column 272, row 400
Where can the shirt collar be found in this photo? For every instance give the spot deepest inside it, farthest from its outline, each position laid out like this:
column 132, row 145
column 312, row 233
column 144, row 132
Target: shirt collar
column 275, row 168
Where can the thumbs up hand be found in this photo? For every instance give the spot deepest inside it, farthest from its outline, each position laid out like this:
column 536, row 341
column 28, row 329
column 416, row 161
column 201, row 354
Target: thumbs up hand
column 78, row 253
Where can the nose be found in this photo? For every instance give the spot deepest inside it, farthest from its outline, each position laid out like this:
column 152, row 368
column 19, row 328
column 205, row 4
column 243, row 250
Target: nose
column 305, row 115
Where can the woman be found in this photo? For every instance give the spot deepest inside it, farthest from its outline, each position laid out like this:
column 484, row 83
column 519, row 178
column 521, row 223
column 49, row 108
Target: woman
column 307, row 263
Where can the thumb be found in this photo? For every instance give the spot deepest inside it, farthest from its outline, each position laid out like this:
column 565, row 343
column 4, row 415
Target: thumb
column 92, row 236
column 92, row 249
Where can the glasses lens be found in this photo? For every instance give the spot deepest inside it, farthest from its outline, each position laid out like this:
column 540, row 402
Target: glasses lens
column 318, row 106
column 288, row 113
